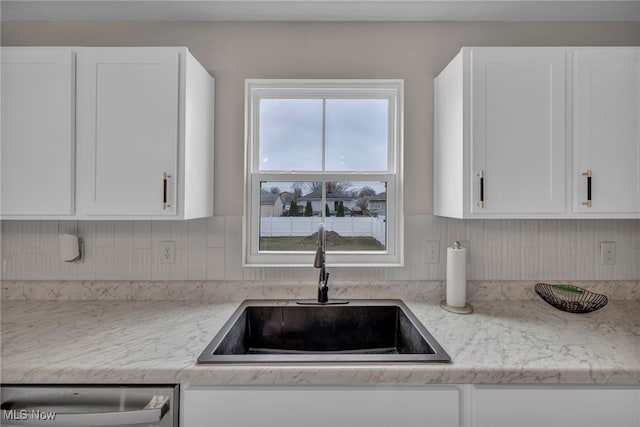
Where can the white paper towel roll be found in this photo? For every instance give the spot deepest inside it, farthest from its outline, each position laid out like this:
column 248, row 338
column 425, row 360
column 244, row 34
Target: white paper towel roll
column 69, row 247
column 457, row 276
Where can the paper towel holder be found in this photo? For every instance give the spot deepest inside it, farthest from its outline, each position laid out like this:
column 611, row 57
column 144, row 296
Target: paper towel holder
column 70, row 247
column 466, row 308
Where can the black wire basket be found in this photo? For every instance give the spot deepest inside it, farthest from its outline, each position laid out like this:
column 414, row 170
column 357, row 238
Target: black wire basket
column 571, row 298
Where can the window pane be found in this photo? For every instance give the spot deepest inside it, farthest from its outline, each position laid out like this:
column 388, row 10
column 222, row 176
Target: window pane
column 290, row 134
column 354, row 213
column 357, row 134
column 286, row 221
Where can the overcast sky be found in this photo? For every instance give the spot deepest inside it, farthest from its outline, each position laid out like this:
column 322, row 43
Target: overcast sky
column 291, row 134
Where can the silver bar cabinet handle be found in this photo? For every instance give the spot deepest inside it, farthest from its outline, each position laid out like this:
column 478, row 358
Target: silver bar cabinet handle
column 152, row 413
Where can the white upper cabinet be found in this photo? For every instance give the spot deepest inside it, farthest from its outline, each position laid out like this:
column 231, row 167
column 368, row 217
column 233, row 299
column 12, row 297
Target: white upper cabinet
column 146, row 132
column 606, row 130
column 507, row 146
column 38, row 132
column 144, row 147
column 500, row 135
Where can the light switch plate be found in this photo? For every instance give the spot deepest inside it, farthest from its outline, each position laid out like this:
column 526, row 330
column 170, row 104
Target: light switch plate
column 432, row 251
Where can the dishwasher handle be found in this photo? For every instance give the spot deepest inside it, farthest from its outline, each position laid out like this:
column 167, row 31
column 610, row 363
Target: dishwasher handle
column 151, row 413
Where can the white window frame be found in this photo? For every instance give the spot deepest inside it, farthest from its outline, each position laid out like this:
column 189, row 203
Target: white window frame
column 391, row 89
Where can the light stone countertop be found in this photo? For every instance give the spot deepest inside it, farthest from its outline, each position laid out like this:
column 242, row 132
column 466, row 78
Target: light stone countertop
column 152, row 341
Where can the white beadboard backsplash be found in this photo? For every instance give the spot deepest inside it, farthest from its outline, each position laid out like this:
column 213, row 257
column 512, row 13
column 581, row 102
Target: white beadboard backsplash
column 210, row 249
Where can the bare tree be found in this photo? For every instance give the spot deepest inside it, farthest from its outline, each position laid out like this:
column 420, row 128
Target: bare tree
column 364, row 195
column 297, row 190
column 314, row 186
column 366, row 191
column 338, row 187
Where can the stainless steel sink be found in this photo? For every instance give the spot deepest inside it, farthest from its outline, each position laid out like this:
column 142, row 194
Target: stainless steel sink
column 266, row 331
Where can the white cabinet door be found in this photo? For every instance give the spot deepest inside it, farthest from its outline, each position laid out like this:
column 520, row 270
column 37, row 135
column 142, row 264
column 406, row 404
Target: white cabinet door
column 500, row 141
column 517, row 132
column 606, row 130
column 38, row 132
column 559, row 406
column 322, row 406
column 130, row 119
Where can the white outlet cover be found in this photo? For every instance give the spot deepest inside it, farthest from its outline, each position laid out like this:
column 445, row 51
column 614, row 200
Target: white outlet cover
column 167, row 252
column 608, row 253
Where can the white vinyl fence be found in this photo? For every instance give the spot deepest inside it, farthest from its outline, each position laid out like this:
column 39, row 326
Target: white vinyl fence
column 278, row 226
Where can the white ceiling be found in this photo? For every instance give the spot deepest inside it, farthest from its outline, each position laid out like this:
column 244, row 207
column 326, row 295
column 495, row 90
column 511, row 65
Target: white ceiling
column 320, row 10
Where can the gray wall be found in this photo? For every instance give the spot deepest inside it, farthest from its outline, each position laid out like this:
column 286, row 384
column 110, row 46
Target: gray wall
column 415, row 52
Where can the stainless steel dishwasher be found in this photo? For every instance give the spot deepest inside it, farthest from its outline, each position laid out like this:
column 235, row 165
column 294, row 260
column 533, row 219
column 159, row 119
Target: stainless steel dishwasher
column 78, row 406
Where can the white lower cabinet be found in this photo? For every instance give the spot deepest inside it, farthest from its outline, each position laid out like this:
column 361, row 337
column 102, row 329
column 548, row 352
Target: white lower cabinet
column 467, row 405
column 322, row 406
column 560, row 406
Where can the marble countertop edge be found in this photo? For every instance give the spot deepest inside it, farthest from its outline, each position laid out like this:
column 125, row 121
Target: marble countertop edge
column 322, row 374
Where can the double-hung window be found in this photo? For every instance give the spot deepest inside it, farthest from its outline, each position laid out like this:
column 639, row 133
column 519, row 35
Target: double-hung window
column 325, row 151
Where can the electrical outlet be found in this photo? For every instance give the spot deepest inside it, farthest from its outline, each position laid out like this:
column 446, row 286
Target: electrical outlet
column 607, row 253
column 167, row 252
column 432, row 251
